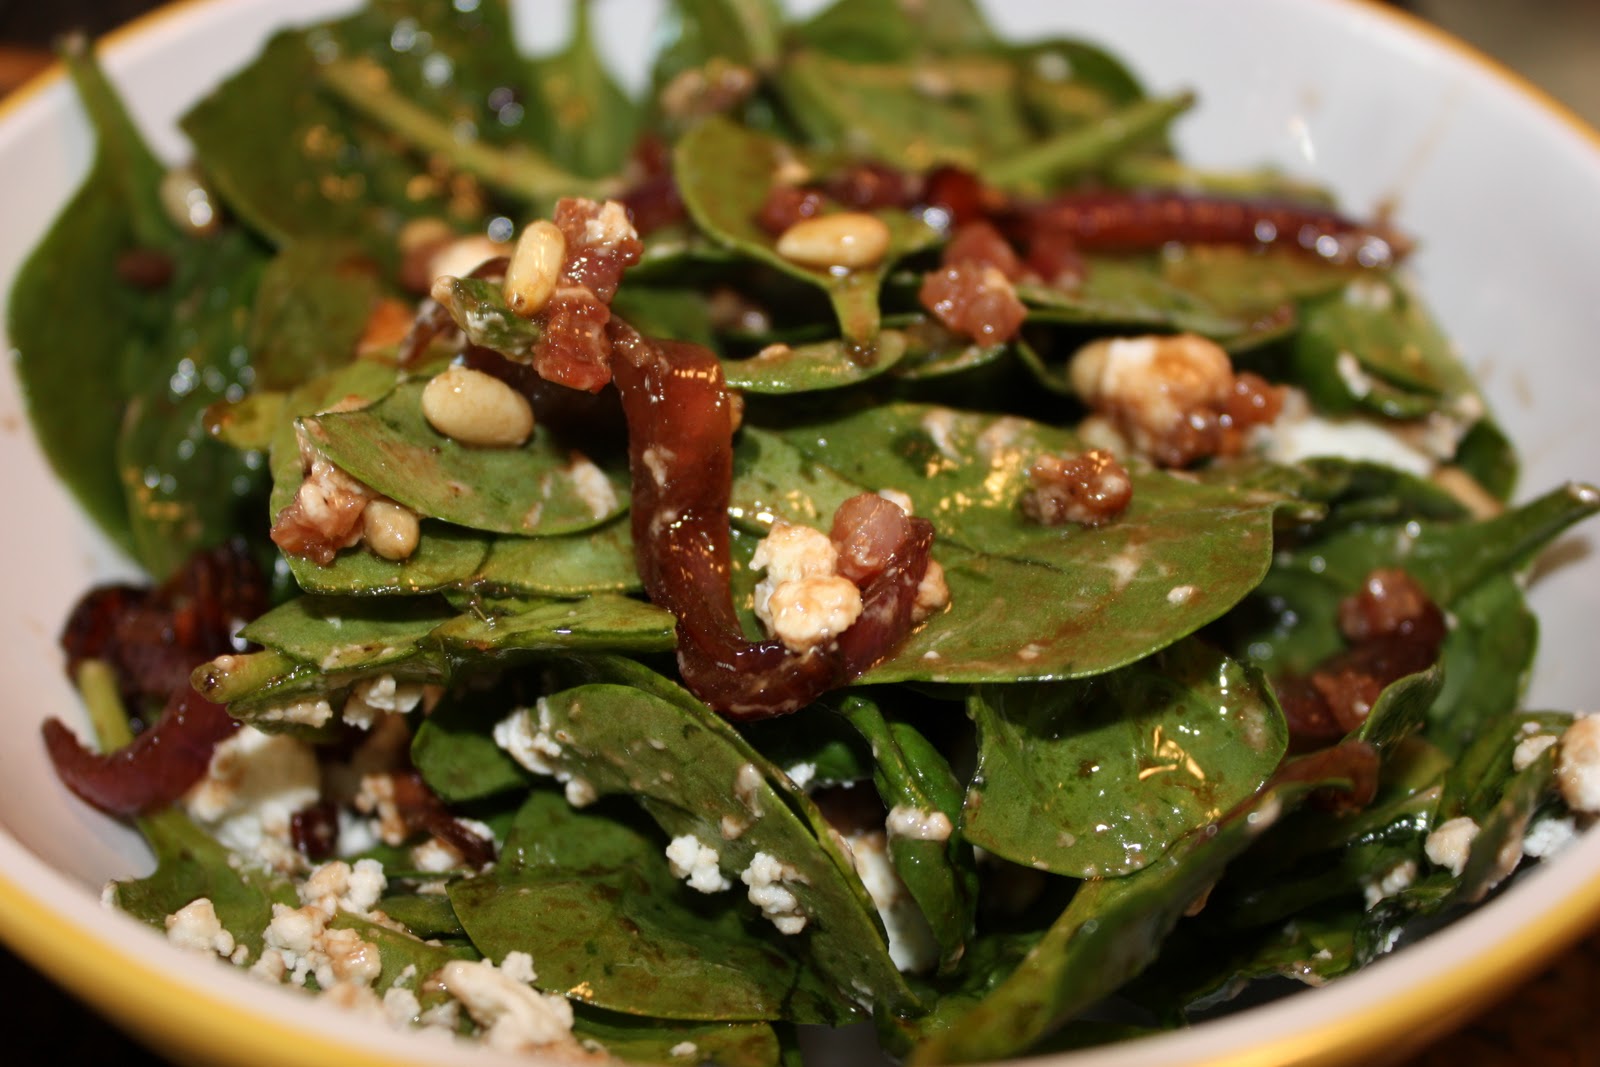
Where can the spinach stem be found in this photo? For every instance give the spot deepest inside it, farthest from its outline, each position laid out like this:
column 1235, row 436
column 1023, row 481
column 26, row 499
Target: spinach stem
column 1079, row 150
column 97, row 684
column 127, row 162
column 517, row 171
column 1139, row 171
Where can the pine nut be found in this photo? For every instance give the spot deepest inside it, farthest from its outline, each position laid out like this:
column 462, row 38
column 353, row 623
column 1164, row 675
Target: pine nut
column 850, row 240
column 535, row 268
column 464, row 255
column 476, row 409
column 187, row 202
column 391, row 530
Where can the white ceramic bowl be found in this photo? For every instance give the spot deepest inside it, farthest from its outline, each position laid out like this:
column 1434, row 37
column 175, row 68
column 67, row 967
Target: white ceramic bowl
column 1501, row 185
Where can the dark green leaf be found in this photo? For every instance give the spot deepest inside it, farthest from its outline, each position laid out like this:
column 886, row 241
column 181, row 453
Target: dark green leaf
column 190, row 864
column 1181, row 555
column 592, row 895
column 258, row 685
column 1113, row 929
column 828, row 365
column 534, row 489
column 312, row 307
column 347, row 633
column 445, row 556
column 186, row 490
column 455, row 751
column 961, row 110
column 479, row 309
column 745, row 33
column 1086, row 148
column 724, row 173
column 594, row 561
column 886, row 31
column 591, row 121
column 1097, row 779
column 915, row 781
column 1487, row 656
column 654, row 1041
column 697, row 783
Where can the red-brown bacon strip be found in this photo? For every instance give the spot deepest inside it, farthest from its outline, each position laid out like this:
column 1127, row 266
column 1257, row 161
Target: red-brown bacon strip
column 1393, row 630
column 1121, row 221
column 680, row 448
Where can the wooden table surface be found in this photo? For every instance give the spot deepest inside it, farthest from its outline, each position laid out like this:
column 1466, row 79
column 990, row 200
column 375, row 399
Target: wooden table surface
column 1551, row 1021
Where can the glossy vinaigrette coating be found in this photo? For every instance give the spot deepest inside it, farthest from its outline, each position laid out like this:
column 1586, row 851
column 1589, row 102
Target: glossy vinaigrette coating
column 861, row 532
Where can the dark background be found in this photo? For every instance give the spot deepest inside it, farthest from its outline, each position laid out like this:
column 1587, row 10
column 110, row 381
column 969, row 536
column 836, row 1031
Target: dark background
column 1554, row 43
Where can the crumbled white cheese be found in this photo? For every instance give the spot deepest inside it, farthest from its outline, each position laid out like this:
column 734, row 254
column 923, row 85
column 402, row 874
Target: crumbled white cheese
column 312, row 712
column 528, row 737
column 1299, row 435
column 195, row 926
column 1392, row 881
column 933, row 592
column 696, row 863
column 1549, row 835
column 940, row 426
column 912, row 945
column 765, row 877
column 1530, row 749
column 812, row 612
column 683, row 1050
column 373, row 698
column 435, row 856
column 747, row 782
column 592, row 485
column 801, row 774
column 1450, row 844
column 253, row 786
column 401, row 1007
column 515, row 1016
column 300, row 945
column 610, row 227
column 339, row 886
column 898, row 499
column 918, row 825
column 1578, row 764
column 1149, row 385
column 518, row 966
column 802, row 599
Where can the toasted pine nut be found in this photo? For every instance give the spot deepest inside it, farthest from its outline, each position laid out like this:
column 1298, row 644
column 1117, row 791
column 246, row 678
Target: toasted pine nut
column 476, row 409
column 386, row 327
column 465, row 255
column 1469, row 491
column 535, row 268
column 425, row 234
column 391, row 530
column 850, row 240
column 187, row 202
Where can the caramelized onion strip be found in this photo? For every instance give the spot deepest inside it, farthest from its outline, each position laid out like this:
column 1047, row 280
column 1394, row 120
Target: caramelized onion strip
column 153, row 770
column 680, row 434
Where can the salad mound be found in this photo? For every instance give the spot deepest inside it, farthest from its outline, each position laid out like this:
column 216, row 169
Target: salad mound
column 861, row 533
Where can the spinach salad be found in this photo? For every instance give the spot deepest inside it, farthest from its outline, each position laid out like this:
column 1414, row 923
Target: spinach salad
column 859, row 534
